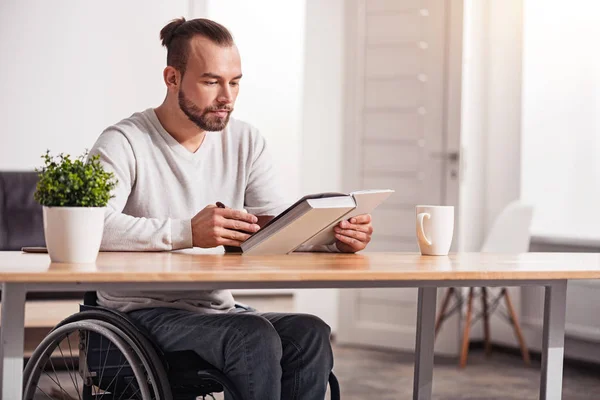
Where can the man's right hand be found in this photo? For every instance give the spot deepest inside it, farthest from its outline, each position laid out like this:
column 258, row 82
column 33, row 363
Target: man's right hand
column 214, row 226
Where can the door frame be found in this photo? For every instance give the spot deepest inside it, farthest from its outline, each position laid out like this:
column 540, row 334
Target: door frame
column 453, row 101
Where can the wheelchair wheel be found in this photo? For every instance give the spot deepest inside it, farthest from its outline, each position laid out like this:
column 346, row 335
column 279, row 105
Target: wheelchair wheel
column 147, row 349
column 88, row 360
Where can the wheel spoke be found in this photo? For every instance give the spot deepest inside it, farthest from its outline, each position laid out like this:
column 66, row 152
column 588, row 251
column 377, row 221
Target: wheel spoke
column 73, row 365
column 114, row 377
column 100, row 358
column 134, row 393
column 57, row 383
column 47, row 395
column 68, row 370
column 104, row 365
column 87, row 365
column 125, row 389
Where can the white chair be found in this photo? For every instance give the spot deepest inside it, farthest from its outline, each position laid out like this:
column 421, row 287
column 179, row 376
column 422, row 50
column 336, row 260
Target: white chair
column 510, row 233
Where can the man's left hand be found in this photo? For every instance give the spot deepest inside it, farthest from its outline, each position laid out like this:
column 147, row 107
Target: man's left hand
column 353, row 235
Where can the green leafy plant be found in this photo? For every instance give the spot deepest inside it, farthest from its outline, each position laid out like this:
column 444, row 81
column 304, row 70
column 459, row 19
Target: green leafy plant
column 73, row 183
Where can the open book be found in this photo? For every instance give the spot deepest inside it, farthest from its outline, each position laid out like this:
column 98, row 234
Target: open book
column 310, row 221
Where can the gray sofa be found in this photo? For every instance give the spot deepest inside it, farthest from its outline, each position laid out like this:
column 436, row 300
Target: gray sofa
column 21, row 221
column 20, row 215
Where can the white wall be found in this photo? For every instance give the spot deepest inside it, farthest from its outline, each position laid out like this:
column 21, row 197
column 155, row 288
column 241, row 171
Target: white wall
column 561, row 141
column 473, row 133
column 491, row 120
column 504, row 65
column 322, row 133
column 323, row 97
column 561, row 66
column 69, row 69
column 503, row 128
column 491, row 135
column 270, row 35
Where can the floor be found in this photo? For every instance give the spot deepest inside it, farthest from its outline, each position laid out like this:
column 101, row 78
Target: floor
column 383, row 375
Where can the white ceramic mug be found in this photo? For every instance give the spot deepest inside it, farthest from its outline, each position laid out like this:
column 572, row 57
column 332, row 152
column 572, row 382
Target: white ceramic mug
column 435, row 228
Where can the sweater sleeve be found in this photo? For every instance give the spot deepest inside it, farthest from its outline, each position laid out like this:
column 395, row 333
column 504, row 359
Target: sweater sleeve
column 125, row 232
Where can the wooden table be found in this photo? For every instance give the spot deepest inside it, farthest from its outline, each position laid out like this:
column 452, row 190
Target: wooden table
column 21, row 273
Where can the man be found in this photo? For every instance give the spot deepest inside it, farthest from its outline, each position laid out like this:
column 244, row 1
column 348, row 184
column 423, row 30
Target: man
column 173, row 163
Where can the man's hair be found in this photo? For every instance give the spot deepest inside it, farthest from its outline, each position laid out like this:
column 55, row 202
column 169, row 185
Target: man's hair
column 176, row 36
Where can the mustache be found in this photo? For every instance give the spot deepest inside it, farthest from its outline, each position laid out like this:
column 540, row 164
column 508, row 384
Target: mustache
column 219, row 108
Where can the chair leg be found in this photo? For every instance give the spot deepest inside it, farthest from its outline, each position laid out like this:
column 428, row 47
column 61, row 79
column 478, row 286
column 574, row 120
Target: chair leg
column 441, row 315
column 486, row 322
column 465, row 342
column 517, row 327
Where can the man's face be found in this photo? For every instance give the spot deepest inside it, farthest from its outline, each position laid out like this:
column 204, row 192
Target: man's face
column 210, row 84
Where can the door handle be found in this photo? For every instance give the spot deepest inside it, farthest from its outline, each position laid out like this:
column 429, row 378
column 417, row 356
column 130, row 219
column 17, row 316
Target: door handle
column 453, row 156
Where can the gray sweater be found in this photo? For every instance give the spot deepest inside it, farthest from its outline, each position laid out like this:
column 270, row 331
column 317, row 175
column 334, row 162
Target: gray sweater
column 162, row 186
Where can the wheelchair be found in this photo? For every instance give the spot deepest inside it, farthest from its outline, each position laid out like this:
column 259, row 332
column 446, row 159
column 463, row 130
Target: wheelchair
column 100, row 353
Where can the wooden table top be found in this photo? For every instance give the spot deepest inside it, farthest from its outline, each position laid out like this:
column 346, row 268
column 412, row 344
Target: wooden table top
column 190, row 267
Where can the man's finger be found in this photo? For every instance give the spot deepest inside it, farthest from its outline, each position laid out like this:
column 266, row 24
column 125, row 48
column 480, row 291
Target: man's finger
column 238, row 225
column 234, row 235
column 228, row 242
column 367, row 228
column 361, row 219
column 230, row 213
column 360, row 236
column 353, row 243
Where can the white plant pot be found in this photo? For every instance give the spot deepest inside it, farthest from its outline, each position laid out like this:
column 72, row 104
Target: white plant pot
column 73, row 234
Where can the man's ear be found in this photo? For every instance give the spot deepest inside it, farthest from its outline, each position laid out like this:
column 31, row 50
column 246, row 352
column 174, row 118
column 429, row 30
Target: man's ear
column 172, row 77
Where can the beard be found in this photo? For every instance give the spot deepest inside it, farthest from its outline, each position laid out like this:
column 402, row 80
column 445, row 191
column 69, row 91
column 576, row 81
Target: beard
column 204, row 118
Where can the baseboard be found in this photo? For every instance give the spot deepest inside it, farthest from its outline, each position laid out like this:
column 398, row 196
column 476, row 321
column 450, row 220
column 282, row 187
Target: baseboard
column 263, row 292
column 535, row 355
column 44, row 296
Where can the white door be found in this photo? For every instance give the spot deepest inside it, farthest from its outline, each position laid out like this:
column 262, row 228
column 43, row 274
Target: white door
column 398, row 127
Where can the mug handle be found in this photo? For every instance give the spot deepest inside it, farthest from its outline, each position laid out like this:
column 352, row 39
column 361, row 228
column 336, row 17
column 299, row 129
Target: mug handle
column 420, row 230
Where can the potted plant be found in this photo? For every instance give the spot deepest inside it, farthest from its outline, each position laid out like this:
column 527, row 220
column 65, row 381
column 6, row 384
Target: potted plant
column 74, row 194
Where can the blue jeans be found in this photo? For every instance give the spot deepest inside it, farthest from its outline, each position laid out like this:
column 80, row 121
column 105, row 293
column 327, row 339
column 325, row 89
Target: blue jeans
column 267, row 356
